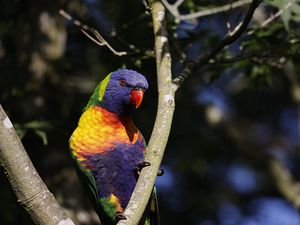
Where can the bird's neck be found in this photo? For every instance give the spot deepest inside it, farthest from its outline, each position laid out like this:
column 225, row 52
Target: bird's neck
column 108, row 118
column 111, row 124
column 100, row 131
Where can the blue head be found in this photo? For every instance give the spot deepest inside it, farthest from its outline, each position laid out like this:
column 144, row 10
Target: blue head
column 120, row 92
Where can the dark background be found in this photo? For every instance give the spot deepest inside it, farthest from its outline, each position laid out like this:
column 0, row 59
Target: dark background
column 232, row 118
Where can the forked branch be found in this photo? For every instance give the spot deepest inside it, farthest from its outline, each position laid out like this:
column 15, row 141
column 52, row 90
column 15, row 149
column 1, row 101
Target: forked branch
column 173, row 9
column 91, row 33
column 227, row 40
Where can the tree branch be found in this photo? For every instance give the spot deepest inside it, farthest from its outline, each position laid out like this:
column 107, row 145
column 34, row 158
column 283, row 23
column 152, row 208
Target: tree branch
column 285, row 182
column 178, row 3
column 273, row 16
column 227, row 40
column 162, row 126
column 29, row 188
column 91, row 33
column 173, row 9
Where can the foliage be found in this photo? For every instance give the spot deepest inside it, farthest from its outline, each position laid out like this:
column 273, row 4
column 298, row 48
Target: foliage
column 291, row 10
column 48, row 74
column 39, row 128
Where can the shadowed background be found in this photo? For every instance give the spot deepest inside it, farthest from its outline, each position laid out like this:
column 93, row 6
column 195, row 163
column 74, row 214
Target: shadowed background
column 235, row 120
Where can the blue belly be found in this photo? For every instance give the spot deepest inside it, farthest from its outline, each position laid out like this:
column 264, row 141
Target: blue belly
column 114, row 171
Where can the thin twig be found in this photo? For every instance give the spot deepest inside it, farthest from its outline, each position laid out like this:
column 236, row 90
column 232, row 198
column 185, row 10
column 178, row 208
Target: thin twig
column 178, row 3
column 148, row 9
column 90, row 32
column 227, row 40
column 173, row 9
column 285, row 182
column 274, row 16
column 215, row 10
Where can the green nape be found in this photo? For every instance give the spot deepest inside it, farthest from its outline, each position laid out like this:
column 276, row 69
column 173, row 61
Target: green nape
column 98, row 93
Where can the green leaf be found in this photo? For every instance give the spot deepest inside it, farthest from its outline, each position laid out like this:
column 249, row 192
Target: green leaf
column 38, row 125
column 291, row 10
column 42, row 135
column 20, row 132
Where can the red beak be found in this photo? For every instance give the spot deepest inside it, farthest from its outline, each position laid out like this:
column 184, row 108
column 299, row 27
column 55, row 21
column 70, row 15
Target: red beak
column 136, row 97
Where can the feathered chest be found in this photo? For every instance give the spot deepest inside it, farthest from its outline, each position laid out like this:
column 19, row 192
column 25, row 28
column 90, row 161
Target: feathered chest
column 100, row 131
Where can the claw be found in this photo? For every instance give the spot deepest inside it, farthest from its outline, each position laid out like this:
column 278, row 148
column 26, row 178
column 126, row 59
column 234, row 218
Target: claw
column 120, row 216
column 143, row 164
column 140, row 166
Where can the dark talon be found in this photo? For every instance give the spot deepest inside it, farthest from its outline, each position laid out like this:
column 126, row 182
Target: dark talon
column 160, row 172
column 143, row 164
column 120, row 216
column 140, row 166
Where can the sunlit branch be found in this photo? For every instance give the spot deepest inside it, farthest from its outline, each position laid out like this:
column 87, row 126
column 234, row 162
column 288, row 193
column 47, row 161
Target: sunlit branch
column 173, row 9
column 227, row 40
column 178, row 3
column 91, row 33
column 285, row 182
column 274, row 16
column 30, row 190
column 162, row 126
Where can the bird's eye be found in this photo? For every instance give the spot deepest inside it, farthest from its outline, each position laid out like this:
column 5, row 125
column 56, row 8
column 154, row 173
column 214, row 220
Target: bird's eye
column 122, row 82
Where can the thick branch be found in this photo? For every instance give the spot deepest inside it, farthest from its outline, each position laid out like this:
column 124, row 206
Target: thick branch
column 29, row 188
column 162, row 126
column 227, row 40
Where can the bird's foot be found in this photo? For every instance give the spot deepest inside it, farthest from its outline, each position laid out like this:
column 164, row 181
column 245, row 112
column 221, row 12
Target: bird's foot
column 140, row 166
column 120, row 216
column 143, row 164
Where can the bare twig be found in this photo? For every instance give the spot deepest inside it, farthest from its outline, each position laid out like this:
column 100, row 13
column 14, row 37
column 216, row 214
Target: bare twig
column 178, row 3
column 227, row 40
column 91, row 33
column 173, row 9
column 29, row 188
column 274, row 16
column 285, row 182
column 215, row 10
column 162, row 126
column 279, row 13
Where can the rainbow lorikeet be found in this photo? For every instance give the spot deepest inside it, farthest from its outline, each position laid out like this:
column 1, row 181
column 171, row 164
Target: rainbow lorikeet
column 107, row 147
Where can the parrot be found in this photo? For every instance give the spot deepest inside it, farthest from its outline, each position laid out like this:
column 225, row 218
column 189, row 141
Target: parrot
column 108, row 149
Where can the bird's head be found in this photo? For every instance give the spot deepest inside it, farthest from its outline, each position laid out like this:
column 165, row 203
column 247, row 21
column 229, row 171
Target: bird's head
column 120, row 92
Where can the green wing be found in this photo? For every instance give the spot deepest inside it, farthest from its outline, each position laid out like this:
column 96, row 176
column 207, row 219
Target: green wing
column 88, row 181
column 89, row 184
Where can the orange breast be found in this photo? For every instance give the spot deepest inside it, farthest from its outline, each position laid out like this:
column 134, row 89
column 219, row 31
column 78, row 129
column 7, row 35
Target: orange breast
column 99, row 130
